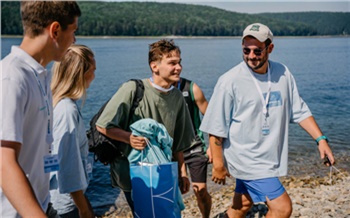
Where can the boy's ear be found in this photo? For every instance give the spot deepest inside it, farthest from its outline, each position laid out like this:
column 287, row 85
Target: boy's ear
column 54, row 29
column 154, row 66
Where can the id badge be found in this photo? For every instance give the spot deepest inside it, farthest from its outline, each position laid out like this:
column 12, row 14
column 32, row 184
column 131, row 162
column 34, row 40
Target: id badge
column 51, row 163
column 265, row 128
column 89, row 166
column 49, row 139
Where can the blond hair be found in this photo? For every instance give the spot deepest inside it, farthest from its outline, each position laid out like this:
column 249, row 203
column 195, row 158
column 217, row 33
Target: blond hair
column 68, row 75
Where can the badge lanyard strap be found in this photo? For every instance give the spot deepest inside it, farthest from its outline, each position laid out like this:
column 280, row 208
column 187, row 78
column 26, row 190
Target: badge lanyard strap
column 75, row 102
column 159, row 87
column 265, row 101
column 43, row 93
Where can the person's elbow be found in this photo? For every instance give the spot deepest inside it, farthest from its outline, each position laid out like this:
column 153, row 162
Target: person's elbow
column 101, row 130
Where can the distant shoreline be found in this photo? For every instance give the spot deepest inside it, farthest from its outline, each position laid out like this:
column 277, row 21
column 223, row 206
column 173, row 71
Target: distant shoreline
column 184, row 37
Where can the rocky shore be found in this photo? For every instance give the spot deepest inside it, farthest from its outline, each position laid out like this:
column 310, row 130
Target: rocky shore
column 312, row 197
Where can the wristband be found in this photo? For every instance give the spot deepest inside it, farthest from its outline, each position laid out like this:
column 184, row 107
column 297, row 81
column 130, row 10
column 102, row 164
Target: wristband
column 321, row 138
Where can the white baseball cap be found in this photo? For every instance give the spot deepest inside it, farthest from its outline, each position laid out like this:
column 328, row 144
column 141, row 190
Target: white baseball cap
column 259, row 31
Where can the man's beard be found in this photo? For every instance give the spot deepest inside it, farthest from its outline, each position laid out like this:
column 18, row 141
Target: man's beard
column 262, row 62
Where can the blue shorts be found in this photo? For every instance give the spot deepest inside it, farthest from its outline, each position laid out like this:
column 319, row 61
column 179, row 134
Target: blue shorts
column 260, row 189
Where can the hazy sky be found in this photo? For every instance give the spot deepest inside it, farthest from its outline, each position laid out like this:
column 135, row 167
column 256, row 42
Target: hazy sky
column 259, row 6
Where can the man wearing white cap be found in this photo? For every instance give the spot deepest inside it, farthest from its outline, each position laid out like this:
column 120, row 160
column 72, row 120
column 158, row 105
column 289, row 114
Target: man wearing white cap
column 247, row 121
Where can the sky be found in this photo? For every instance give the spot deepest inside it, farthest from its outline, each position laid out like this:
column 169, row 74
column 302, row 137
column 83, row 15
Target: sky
column 261, row 6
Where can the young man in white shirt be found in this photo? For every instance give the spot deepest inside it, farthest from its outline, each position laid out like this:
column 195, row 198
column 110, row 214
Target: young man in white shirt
column 26, row 107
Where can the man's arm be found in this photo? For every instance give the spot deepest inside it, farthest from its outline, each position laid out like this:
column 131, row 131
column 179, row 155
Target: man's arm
column 15, row 184
column 219, row 170
column 310, row 126
column 83, row 204
column 202, row 105
column 184, row 181
column 121, row 135
column 200, row 99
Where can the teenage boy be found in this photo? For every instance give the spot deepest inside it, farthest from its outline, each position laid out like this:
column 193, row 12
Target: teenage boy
column 160, row 102
column 197, row 156
column 26, row 107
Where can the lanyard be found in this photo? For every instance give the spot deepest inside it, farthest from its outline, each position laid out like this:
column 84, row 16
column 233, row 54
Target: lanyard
column 265, row 101
column 75, row 102
column 46, row 98
column 159, row 87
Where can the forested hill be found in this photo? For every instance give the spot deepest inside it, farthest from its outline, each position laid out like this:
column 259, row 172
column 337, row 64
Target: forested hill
column 160, row 19
column 325, row 23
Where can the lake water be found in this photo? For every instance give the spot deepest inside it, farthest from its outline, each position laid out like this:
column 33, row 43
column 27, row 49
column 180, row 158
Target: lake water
column 319, row 65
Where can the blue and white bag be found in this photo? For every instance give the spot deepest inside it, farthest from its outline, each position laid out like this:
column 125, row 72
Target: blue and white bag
column 155, row 189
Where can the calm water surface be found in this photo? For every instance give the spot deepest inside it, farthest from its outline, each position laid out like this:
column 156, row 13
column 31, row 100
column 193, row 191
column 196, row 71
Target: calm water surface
column 319, row 65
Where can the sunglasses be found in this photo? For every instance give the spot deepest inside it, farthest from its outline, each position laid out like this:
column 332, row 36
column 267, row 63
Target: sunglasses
column 256, row 51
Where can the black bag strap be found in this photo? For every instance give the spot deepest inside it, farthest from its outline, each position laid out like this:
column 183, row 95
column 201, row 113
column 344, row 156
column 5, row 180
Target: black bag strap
column 137, row 98
column 140, row 88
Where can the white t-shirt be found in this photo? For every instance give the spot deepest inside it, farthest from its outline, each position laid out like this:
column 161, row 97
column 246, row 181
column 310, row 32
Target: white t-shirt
column 235, row 113
column 24, row 119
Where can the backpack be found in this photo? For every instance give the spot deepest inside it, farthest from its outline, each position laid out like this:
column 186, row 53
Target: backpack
column 106, row 149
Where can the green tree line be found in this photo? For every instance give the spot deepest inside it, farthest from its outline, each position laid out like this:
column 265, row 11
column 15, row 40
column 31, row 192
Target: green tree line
column 160, row 19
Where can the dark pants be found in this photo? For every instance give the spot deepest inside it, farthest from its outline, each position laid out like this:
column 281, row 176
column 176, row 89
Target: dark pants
column 51, row 212
column 129, row 200
column 73, row 214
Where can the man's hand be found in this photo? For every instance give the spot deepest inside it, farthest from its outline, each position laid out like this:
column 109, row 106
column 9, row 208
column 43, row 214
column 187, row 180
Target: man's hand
column 137, row 142
column 219, row 175
column 310, row 126
column 219, row 170
column 326, row 152
column 184, row 184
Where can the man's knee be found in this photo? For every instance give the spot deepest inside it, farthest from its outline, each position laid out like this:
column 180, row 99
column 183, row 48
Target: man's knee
column 281, row 206
column 201, row 191
column 240, row 206
column 242, row 202
column 281, row 212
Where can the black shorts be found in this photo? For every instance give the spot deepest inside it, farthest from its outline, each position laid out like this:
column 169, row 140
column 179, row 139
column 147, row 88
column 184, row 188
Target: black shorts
column 197, row 162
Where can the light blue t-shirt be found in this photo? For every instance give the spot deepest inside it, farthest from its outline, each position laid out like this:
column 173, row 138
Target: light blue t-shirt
column 235, row 114
column 71, row 145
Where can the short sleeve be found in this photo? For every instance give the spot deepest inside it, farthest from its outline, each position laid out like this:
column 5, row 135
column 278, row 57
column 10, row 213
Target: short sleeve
column 71, row 174
column 217, row 118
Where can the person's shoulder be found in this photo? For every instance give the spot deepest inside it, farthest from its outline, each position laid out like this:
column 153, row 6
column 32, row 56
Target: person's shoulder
column 66, row 107
column 276, row 64
column 177, row 93
column 12, row 65
column 15, row 72
column 65, row 102
column 233, row 74
column 186, row 80
column 131, row 84
column 278, row 67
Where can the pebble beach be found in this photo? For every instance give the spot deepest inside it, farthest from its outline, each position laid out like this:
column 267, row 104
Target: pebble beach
column 322, row 194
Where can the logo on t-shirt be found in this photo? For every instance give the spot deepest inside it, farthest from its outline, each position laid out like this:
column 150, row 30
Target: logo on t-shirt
column 275, row 99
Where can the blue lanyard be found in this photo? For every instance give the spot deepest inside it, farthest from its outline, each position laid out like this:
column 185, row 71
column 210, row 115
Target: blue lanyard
column 44, row 94
column 78, row 108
